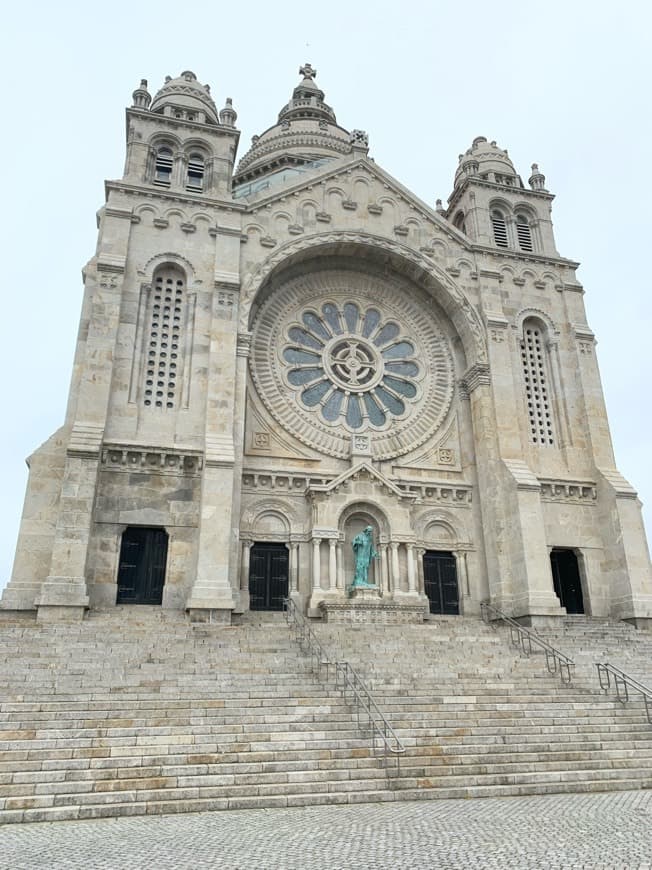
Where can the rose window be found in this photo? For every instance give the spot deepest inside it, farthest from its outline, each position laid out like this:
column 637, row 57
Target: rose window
column 340, row 351
column 351, row 365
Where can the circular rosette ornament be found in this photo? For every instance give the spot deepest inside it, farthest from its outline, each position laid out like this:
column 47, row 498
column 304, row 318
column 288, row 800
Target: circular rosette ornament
column 337, row 352
column 352, row 365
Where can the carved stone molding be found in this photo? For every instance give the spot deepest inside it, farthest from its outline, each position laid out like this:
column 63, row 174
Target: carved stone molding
column 280, row 480
column 476, row 376
column 454, row 301
column 150, row 460
column 574, row 491
column 438, row 493
column 392, row 300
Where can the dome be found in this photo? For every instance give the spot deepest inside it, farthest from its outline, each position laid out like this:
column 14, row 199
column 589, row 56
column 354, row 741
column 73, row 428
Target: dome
column 306, row 131
column 187, row 93
column 486, row 160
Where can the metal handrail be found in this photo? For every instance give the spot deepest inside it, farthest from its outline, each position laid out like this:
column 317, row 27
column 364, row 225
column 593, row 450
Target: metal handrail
column 622, row 683
column 348, row 682
column 521, row 637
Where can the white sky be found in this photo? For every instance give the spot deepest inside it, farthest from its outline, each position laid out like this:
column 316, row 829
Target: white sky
column 564, row 84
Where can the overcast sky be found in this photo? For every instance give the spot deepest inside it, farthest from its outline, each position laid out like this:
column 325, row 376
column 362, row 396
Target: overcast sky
column 564, row 84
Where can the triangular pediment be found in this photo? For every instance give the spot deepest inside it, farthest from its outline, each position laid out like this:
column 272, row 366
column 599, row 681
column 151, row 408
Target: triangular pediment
column 384, row 197
column 360, row 471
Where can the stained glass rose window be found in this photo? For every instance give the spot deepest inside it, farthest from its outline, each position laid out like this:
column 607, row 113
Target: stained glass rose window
column 337, row 351
column 351, row 364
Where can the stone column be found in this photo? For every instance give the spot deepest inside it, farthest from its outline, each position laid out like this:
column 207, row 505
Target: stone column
column 421, row 585
column 244, row 565
column 332, row 564
column 462, row 575
column 340, row 567
column 316, row 565
column 384, row 573
column 395, row 570
column 245, row 554
column 294, row 568
column 411, row 570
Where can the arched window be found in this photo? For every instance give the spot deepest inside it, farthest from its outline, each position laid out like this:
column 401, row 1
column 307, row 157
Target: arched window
column 499, row 228
column 163, row 337
column 538, row 390
column 523, row 233
column 458, row 222
column 163, row 166
column 195, row 178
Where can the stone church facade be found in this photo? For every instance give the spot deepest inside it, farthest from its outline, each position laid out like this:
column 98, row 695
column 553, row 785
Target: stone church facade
column 274, row 355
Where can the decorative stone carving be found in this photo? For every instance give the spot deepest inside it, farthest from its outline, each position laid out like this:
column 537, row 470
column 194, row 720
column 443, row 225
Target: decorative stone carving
column 359, row 138
column 147, row 460
column 325, row 366
column 261, row 440
column 575, row 491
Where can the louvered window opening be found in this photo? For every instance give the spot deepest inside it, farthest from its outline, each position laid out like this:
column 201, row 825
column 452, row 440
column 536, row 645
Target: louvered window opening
column 523, row 234
column 195, row 179
column 500, row 229
column 164, row 330
column 536, row 387
column 163, row 168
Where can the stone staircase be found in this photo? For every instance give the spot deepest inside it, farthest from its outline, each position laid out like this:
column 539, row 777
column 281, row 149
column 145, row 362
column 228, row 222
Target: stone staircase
column 480, row 720
column 137, row 711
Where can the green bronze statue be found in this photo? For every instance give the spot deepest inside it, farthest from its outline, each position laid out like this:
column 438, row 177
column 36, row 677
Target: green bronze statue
column 363, row 548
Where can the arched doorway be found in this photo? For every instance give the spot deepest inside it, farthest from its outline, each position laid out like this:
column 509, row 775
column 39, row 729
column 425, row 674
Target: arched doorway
column 268, row 576
column 566, row 579
column 440, row 582
column 141, row 570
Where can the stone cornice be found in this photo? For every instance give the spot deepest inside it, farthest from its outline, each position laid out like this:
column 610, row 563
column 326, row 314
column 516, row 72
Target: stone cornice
column 522, row 256
column 166, row 195
column 477, row 375
column 475, row 180
column 150, row 460
column 573, row 491
column 176, row 123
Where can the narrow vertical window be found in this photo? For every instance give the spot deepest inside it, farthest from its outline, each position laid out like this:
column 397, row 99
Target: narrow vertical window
column 459, row 221
column 523, row 233
column 195, row 179
column 537, row 389
column 164, row 329
column 499, row 228
column 163, row 167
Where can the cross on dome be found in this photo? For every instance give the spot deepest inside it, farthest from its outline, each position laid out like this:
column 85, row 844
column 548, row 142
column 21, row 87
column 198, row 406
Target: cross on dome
column 307, row 71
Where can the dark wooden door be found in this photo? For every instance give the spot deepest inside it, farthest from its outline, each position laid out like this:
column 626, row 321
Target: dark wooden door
column 268, row 576
column 141, row 573
column 440, row 580
column 566, row 579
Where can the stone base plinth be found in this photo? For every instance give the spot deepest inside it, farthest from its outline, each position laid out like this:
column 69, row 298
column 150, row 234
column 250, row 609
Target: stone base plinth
column 220, row 616
column 372, row 611
column 61, row 613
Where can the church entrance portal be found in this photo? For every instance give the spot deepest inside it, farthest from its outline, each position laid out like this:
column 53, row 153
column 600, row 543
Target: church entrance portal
column 141, row 573
column 268, row 576
column 566, row 579
column 440, row 582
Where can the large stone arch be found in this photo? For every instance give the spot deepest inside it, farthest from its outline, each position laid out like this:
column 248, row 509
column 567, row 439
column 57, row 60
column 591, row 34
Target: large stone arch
column 404, row 260
column 268, row 520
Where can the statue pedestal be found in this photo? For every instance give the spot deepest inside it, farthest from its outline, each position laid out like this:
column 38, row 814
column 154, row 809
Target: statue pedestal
column 367, row 608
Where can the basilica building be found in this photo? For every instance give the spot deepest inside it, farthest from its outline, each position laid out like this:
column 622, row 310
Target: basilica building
column 278, row 352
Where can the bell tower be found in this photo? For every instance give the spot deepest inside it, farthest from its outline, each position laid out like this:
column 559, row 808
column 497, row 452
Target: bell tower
column 492, row 206
column 147, row 445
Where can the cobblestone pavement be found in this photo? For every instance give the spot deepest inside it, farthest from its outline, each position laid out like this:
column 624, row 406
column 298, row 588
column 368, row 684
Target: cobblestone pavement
column 556, row 831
